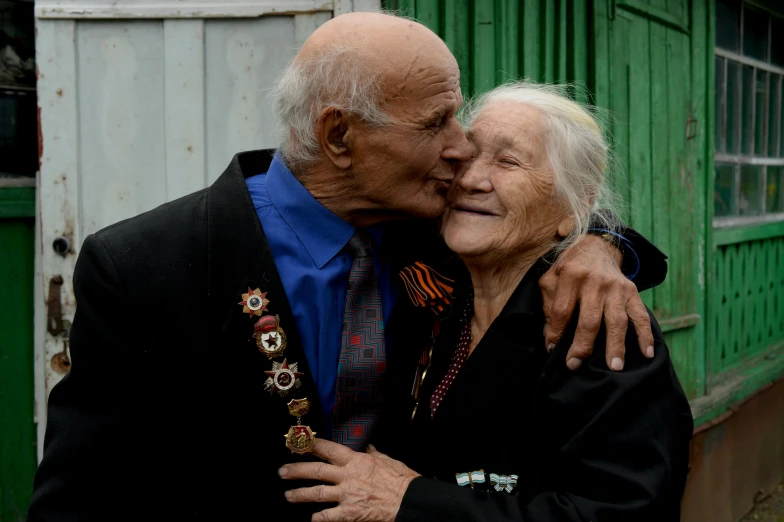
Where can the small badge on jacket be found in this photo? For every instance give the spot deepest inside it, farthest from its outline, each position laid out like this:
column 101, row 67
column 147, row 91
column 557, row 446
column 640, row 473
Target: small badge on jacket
column 254, row 302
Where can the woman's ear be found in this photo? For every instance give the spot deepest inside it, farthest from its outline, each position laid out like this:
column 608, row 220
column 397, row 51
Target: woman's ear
column 566, row 226
column 332, row 128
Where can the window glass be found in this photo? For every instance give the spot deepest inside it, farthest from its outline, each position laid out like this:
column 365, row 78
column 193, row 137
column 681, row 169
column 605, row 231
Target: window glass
column 777, row 41
column 755, row 33
column 733, row 109
column 774, row 113
column 750, row 197
column 760, row 112
column 746, row 98
column 774, row 195
column 719, row 119
column 723, row 200
column 728, row 25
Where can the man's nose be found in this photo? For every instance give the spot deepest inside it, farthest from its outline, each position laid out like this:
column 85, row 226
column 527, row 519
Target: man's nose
column 457, row 146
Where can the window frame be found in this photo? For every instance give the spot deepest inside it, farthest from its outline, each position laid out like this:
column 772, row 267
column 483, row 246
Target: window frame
column 741, row 159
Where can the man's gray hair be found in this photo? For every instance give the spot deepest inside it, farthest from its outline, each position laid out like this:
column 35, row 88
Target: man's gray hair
column 575, row 148
column 336, row 78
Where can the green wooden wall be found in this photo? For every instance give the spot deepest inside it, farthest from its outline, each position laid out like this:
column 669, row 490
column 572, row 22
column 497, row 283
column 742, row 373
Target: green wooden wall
column 17, row 430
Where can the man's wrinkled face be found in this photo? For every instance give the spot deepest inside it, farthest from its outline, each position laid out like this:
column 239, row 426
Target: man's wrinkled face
column 406, row 167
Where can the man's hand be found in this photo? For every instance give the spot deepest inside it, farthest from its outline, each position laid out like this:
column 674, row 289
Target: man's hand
column 369, row 487
column 589, row 273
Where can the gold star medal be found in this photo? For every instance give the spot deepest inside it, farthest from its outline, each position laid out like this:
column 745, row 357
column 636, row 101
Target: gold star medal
column 270, row 337
column 254, row 302
column 300, row 439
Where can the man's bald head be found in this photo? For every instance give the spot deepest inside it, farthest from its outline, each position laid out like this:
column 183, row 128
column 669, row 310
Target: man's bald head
column 368, row 112
column 358, row 62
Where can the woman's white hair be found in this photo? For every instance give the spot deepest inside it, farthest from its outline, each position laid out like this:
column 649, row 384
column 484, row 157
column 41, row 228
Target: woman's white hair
column 574, row 146
column 338, row 78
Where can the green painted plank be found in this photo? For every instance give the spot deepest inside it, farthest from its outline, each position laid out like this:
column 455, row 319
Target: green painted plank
column 578, row 47
column 547, row 44
column 733, row 386
column 562, row 28
column 681, row 222
column 457, row 35
column 531, row 41
column 17, row 202
column 17, row 430
column 683, row 359
column 640, row 131
column 619, row 105
column 507, row 38
column 662, row 162
column 701, row 81
column 483, row 65
column 429, row 13
column 741, row 234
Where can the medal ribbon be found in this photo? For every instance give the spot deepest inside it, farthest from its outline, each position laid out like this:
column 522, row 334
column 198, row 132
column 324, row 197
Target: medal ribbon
column 426, row 287
column 503, row 482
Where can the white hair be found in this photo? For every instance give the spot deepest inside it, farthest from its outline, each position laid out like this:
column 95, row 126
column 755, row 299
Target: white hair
column 575, row 148
column 336, row 78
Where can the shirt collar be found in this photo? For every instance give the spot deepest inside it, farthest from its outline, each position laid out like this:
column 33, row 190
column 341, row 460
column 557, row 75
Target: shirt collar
column 322, row 233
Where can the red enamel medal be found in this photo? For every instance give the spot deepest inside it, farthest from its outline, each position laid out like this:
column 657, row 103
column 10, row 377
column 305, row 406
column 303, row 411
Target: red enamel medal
column 282, row 378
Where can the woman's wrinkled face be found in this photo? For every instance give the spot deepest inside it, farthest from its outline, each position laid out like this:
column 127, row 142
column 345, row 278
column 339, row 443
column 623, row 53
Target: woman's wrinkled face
column 503, row 204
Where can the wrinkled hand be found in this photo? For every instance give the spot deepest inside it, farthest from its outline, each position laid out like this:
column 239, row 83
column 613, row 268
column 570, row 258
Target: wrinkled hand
column 368, row 487
column 589, row 272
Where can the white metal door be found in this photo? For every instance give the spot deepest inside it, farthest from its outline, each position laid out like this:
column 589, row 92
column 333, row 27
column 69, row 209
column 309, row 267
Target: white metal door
column 141, row 102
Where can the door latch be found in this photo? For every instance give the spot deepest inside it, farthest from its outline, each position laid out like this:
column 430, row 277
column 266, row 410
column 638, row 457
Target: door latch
column 54, row 314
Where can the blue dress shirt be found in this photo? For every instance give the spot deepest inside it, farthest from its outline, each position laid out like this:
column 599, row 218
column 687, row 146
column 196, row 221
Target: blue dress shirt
column 309, row 245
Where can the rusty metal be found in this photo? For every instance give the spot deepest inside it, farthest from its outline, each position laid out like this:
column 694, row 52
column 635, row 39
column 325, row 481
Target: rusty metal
column 736, row 458
column 61, row 362
column 54, row 315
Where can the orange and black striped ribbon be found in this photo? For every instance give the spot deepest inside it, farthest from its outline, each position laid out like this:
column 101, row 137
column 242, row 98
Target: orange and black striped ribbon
column 427, row 288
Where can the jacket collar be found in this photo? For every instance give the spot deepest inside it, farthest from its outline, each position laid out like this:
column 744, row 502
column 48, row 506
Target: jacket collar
column 239, row 258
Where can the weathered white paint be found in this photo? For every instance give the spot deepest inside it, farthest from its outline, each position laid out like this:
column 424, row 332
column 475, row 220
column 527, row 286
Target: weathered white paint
column 184, row 106
column 58, row 194
column 348, row 6
column 135, row 113
column 158, row 9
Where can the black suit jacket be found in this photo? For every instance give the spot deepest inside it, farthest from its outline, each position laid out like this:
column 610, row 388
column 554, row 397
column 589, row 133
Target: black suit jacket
column 590, row 445
column 164, row 415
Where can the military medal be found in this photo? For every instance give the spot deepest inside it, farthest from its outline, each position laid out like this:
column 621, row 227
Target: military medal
column 470, row 478
column 283, row 378
column 270, row 337
column 254, row 302
column 503, row 482
column 300, row 439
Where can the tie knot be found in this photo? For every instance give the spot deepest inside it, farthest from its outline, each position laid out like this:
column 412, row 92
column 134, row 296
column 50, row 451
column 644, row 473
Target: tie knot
column 360, row 244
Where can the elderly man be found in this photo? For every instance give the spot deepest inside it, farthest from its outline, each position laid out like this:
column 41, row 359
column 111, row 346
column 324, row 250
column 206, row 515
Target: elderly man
column 216, row 336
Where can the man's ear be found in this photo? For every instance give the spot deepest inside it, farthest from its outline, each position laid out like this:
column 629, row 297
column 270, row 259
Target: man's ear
column 566, row 225
column 332, row 128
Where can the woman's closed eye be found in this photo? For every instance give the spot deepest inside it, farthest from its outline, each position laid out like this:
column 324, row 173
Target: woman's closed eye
column 509, row 161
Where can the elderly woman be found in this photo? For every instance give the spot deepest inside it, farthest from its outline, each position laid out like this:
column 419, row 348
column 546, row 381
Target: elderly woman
column 503, row 430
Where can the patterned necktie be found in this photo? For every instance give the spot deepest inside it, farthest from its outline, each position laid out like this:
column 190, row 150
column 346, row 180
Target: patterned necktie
column 362, row 355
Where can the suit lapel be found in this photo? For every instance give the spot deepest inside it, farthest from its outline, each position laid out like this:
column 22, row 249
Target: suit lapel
column 239, row 259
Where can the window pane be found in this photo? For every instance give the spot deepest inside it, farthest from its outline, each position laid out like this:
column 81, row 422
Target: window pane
column 755, row 33
column 750, row 199
column 747, row 132
column 723, row 200
column 719, row 108
column 760, row 111
column 774, row 113
column 728, row 24
column 775, row 191
column 777, row 41
column 733, row 107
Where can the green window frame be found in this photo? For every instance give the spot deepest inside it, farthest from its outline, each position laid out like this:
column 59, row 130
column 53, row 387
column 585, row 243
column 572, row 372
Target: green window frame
column 749, row 123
